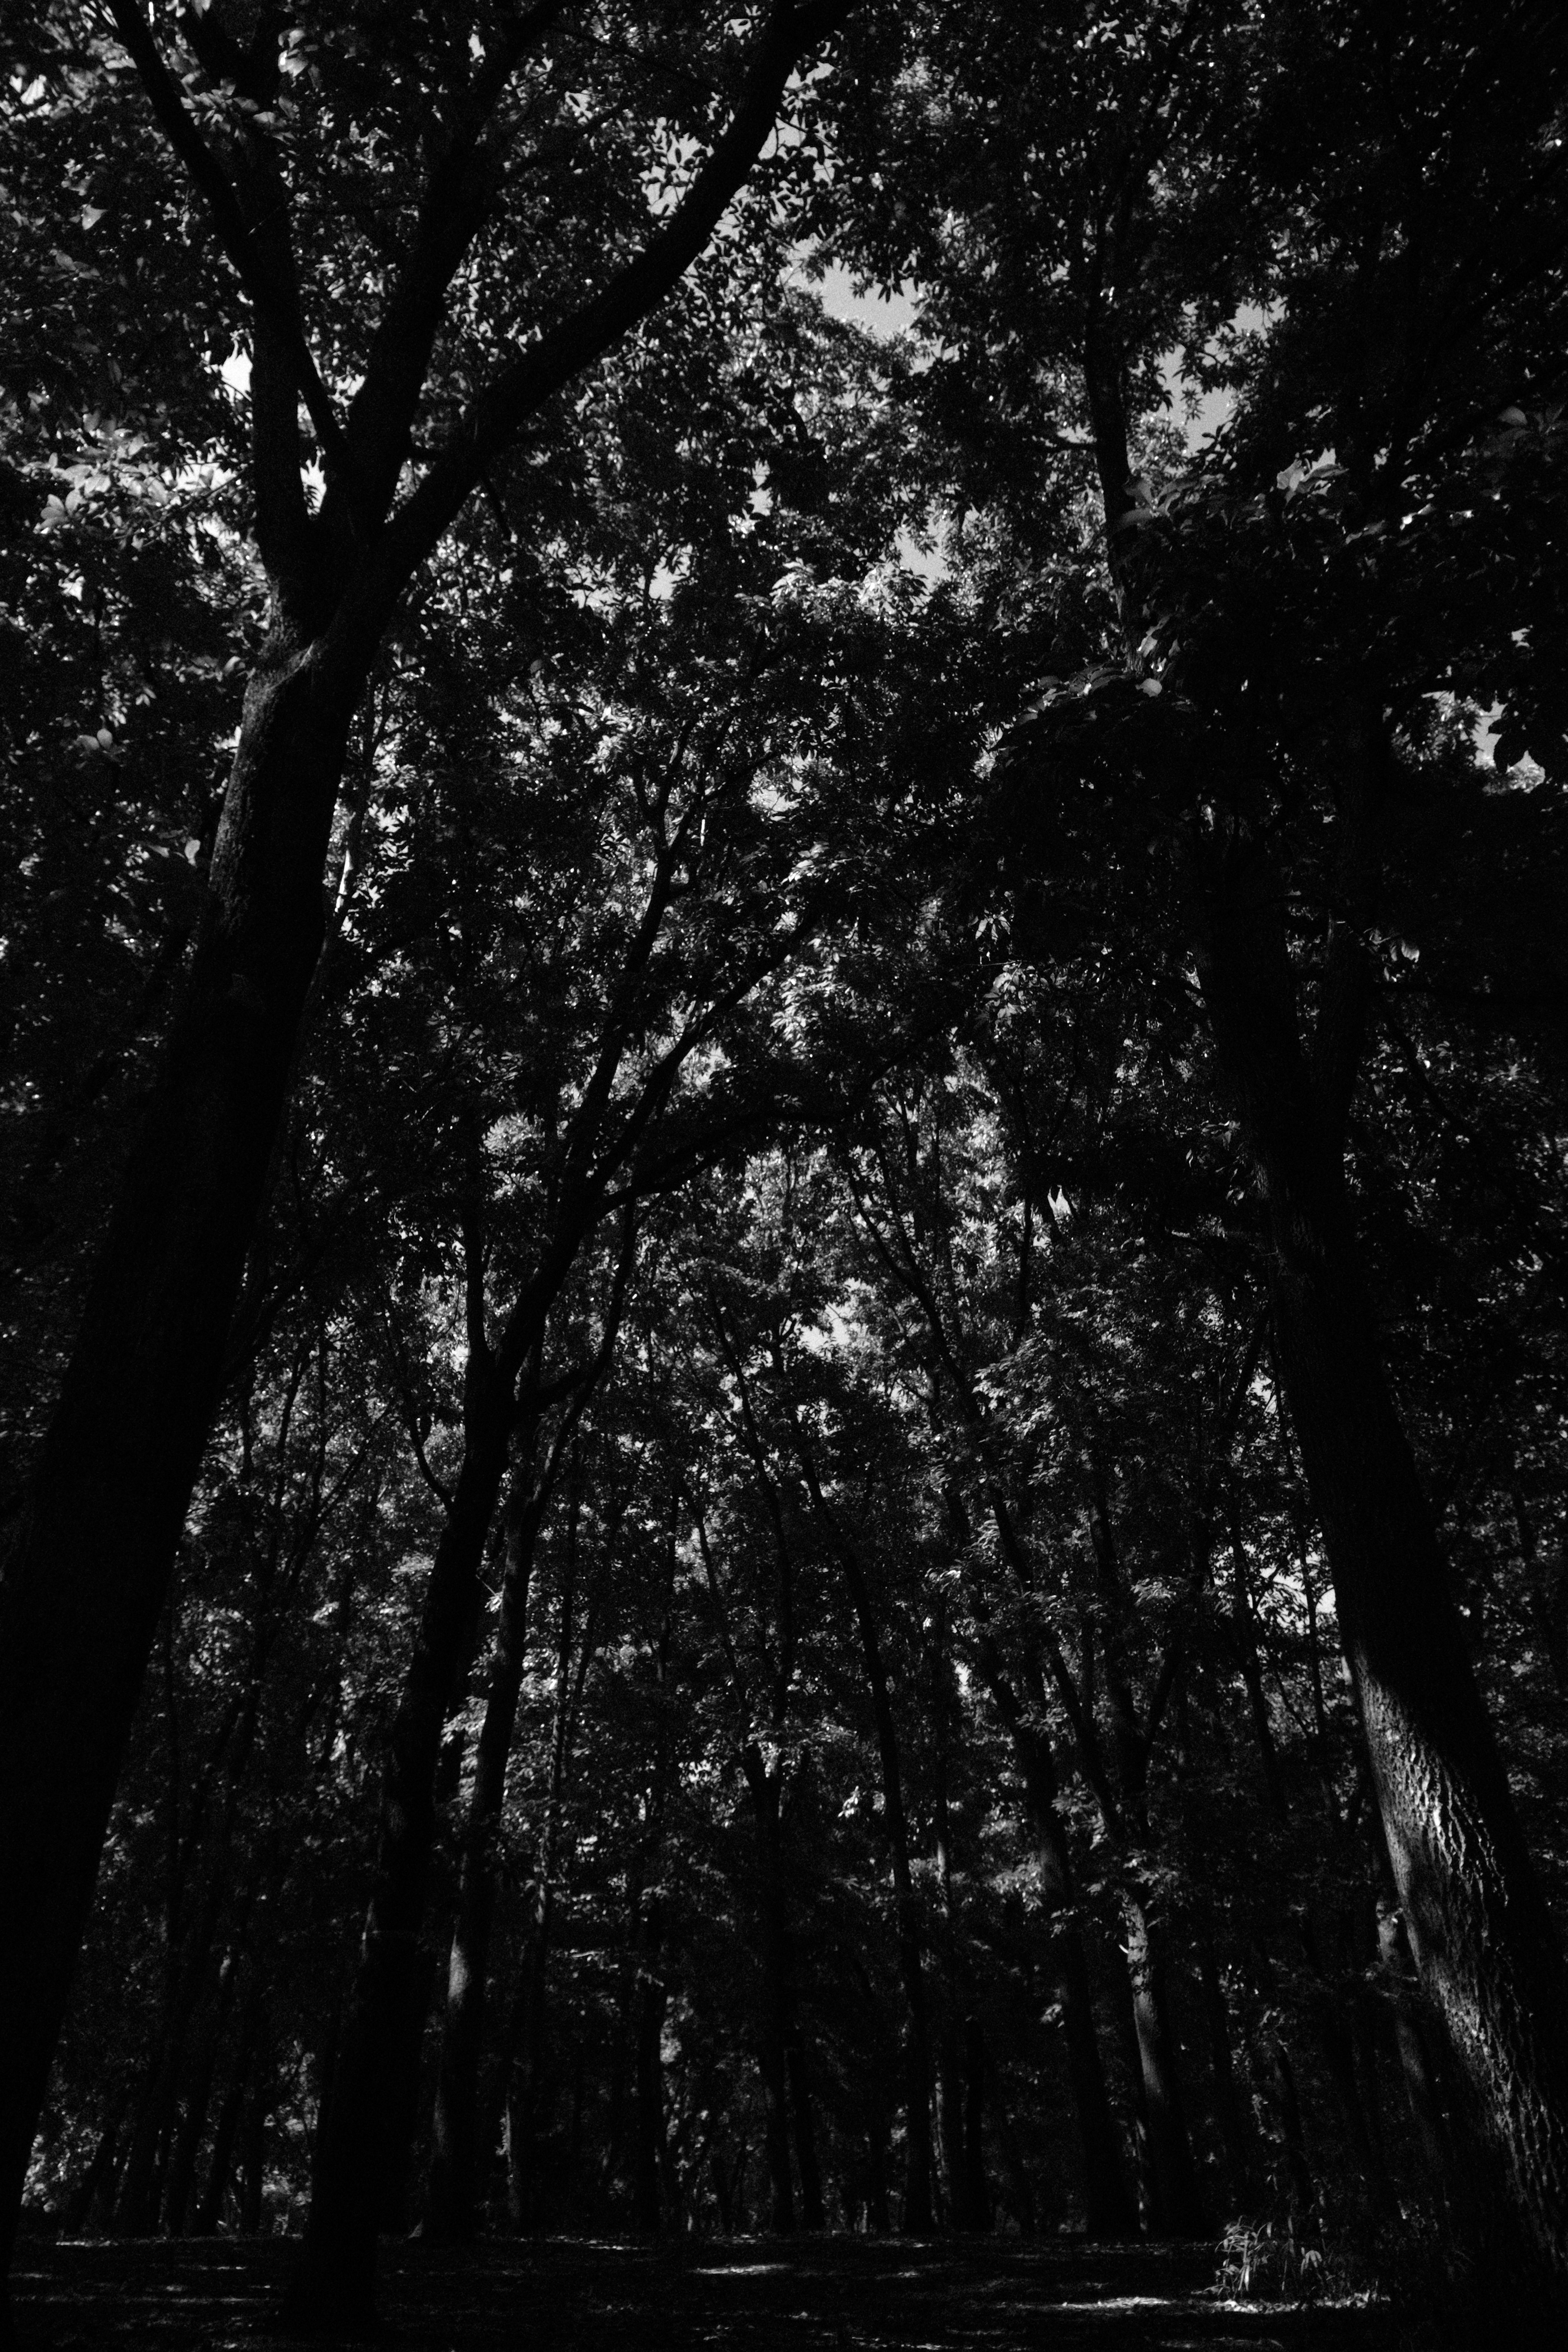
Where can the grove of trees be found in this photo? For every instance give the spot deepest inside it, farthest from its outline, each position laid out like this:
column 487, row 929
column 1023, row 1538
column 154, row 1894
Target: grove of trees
column 783, row 1182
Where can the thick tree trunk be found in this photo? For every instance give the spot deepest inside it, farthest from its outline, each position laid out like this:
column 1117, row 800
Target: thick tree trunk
column 1483, row 1941
column 450, row 2210
column 87, row 1578
column 335, row 2281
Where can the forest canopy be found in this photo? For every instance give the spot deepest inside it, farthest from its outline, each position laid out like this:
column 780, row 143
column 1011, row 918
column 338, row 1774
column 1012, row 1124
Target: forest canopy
column 782, row 1150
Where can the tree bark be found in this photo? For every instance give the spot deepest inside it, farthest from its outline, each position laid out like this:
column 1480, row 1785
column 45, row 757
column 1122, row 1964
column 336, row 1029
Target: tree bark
column 1414, row 2066
column 85, row 1581
column 1483, row 1940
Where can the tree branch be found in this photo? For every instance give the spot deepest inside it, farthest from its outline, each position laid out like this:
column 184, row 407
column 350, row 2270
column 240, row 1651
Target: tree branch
column 234, row 232
column 496, row 416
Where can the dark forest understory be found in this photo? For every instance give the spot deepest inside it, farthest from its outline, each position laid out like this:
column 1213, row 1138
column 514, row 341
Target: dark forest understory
column 756, row 2295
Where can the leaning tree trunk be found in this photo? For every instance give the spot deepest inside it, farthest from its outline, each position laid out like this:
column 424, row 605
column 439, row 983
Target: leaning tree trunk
column 86, row 1581
column 1482, row 1939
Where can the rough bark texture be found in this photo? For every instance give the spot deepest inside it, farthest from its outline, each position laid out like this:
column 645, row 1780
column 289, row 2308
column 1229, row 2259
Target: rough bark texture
column 1479, row 1931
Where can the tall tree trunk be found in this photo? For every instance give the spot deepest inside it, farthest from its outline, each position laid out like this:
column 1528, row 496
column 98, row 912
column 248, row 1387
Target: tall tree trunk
column 650, row 2099
column 86, row 1580
column 209, row 2211
column 919, row 2214
column 975, row 2199
column 777, row 2002
column 253, row 2152
column 1178, row 2198
column 1109, row 2208
column 812, row 2213
column 94, row 2187
column 197, row 2100
column 525, row 2094
column 334, row 2281
column 1483, row 1940
column 1333, row 2026
column 1234, row 2124
column 449, row 2211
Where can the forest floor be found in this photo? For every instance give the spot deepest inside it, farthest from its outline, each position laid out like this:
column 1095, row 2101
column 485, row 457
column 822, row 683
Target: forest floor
column 757, row 2295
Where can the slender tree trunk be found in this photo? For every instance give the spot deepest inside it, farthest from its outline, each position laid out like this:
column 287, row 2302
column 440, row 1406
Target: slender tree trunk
column 94, row 2187
column 193, row 2122
column 209, row 2211
column 253, row 2153
column 1230, row 2112
column 449, row 2212
column 1335, row 2039
column 879, row 2212
column 1109, row 2208
column 335, row 2281
column 774, row 2022
column 975, row 2198
column 919, row 2214
column 649, row 2105
column 1179, row 2205
column 812, row 2213
column 1484, row 1943
column 135, row 2214
column 1020, row 2188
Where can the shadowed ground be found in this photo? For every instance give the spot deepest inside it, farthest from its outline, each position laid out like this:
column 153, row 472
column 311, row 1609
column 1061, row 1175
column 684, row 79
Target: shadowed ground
column 790, row 2297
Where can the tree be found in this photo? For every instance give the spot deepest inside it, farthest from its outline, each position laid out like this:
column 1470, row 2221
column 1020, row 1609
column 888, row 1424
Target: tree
column 290, row 120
